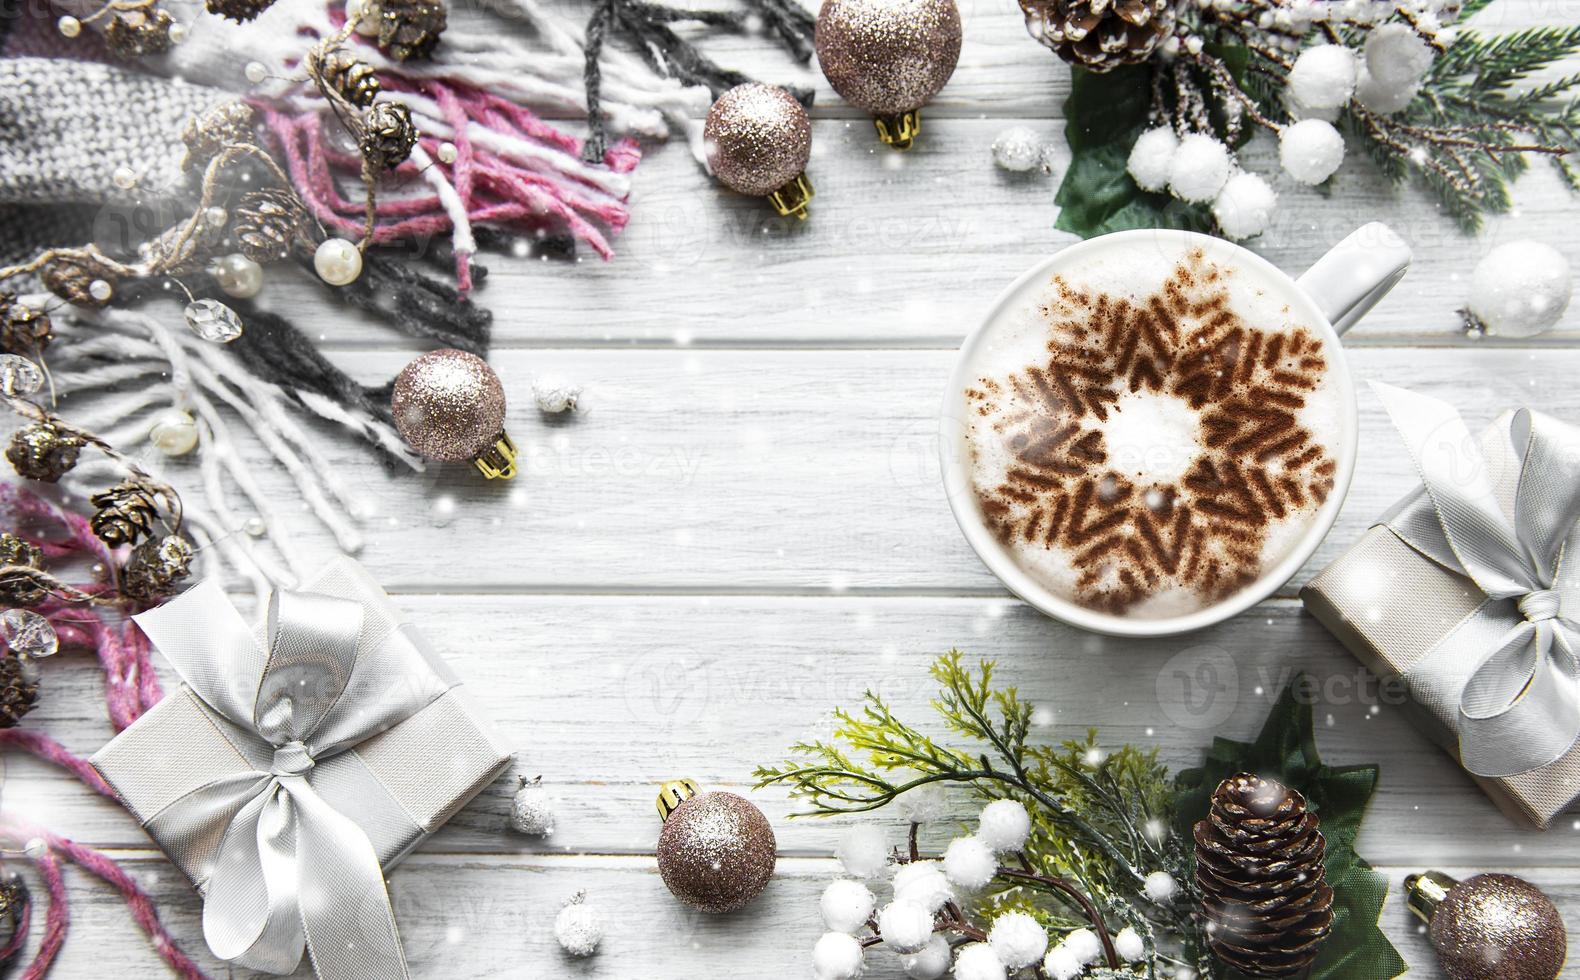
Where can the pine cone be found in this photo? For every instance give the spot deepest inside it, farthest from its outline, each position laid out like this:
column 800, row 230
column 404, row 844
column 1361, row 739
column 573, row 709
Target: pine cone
column 156, row 567
column 124, row 515
column 39, row 451
column 355, row 80
column 13, row 900
column 388, row 134
column 1100, row 35
column 1259, row 866
column 17, row 693
column 23, row 330
column 266, row 224
column 72, row 280
column 135, row 33
column 206, row 134
column 20, row 589
column 410, row 28
column 240, row 11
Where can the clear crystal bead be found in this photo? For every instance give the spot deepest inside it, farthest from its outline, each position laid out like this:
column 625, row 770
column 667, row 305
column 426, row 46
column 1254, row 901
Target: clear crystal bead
column 213, row 320
column 19, row 376
column 28, row 634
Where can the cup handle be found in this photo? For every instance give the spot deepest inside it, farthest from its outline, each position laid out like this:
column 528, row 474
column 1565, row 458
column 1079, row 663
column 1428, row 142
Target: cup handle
column 1357, row 272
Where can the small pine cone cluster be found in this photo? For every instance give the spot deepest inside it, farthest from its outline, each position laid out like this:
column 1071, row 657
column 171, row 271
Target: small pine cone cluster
column 1100, row 35
column 266, row 223
column 1259, row 866
column 18, row 691
column 156, row 567
column 136, row 33
column 354, row 79
column 74, row 279
column 239, row 11
column 206, row 134
column 39, row 451
column 123, row 514
column 410, row 28
column 20, row 588
column 388, row 134
column 23, row 330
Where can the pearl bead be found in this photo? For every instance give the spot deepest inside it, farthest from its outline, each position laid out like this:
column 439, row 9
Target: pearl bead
column 337, row 262
column 124, row 177
column 447, row 153
column 238, row 276
column 215, row 217
column 255, row 71
column 255, row 527
column 174, row 433
column 69, row 26
column 100, row 290
column 177, row 33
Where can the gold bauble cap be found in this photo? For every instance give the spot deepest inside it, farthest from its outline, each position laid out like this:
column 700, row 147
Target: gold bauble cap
column 673, row 793
column 1424, row 892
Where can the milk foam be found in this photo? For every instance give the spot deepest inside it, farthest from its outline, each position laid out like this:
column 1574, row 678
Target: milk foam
column 1151, row 438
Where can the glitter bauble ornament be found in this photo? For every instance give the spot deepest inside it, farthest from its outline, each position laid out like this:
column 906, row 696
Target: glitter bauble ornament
column 1490, row 927
column 889, row 57
column 450, row 406
column 759, row 140
column 716, row 850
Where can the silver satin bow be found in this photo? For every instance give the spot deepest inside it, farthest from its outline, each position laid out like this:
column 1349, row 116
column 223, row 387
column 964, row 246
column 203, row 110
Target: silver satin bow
column 1506, row 678
column 290, row 871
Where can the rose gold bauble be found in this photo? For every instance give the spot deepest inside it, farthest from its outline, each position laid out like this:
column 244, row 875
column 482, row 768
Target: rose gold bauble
column 889, row 57
column 716, row 851
column 759, row 140
column 449, row 406
column 1490, row 927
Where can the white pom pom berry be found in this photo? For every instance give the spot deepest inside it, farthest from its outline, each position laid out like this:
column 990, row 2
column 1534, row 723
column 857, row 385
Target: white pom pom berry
column 1520, row 289
column 1244, row 208
column 1061, row 964
column 969, row 864
column 905, row 925
column 978, row 961
column 1199, row 168
column 928, row 963
column 846, row 905
column 1396, row 56
column 1084, row 944
column 837, row 956
column 1323, row 76
column 1381, row 98
column 1129, row 946
column 924, row 883
column 864, row 852
column 1004, row 825
column 1161, row 887
column 1151, row 157
column 1018, row 939
column 1310, row 150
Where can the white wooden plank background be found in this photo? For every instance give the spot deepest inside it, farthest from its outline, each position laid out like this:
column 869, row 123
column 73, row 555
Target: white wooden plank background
column 745, row 529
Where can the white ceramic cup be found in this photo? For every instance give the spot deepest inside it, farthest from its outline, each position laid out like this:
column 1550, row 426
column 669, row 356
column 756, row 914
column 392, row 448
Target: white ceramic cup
column 1329, row 298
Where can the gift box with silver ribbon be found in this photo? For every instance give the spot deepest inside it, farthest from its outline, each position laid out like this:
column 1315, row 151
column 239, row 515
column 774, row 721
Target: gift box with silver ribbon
column 298, row 762
column 1468, row 591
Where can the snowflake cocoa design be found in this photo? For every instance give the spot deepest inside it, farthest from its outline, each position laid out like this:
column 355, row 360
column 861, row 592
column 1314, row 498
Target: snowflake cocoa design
column 1129, row 537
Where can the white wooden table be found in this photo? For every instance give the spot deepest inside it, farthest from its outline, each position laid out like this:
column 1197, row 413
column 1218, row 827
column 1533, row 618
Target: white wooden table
column 745, row 529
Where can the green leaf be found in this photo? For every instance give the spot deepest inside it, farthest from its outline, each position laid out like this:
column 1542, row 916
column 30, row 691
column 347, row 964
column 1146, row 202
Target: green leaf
column 1286, row 750
column 1104, row 114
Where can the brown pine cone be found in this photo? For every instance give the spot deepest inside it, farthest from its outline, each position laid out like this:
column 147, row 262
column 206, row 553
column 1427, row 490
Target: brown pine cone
column 266, row 224
column 240, row 11
column 135, row 33
column 124, row 514
column 39, row 451
column 1100, row 35
column 206, row 134
column 355, row 80
column 20, row 589
column 156, row 567
column 23, row 330
column 1259, row 866
column 17, row 693
column 388, row 134
column 410, row 28
column 73, row 279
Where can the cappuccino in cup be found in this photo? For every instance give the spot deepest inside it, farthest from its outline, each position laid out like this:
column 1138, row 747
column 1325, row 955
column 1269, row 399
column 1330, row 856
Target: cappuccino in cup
column 1149, row 430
